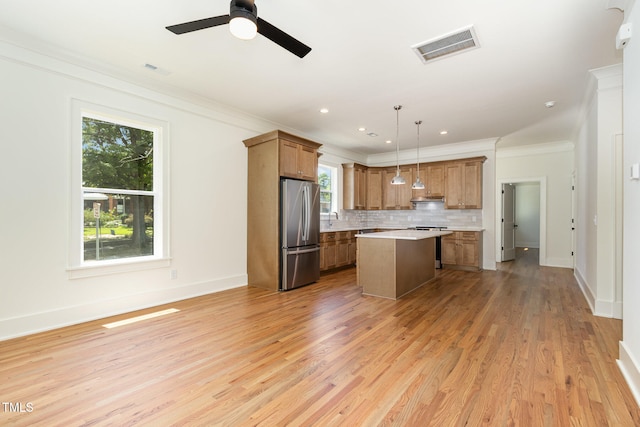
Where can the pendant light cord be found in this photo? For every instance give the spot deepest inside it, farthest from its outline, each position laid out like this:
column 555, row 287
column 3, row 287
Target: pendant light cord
column 397, row 108
column 418, row 123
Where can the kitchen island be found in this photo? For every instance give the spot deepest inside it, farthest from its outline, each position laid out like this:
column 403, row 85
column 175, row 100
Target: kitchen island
column 391, row 264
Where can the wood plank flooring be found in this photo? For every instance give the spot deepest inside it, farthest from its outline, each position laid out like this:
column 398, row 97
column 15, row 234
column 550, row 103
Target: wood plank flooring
column 513, row 347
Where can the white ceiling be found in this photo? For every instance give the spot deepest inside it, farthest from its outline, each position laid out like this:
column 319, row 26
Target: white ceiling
column 361, row 65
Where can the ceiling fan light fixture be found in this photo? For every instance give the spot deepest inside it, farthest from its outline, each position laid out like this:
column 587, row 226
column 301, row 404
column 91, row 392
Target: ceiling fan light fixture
column 243, row 28
column 243, row 22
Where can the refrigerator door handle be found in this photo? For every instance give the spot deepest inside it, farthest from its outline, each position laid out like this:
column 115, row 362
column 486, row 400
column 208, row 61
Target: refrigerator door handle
column 303, row 251
column 305, row 213
column 309, row 206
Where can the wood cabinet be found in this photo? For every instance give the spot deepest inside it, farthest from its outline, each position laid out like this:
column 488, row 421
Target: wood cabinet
column 269, row 157
column 462, row 250
column 353, row 249
column 354, row 188
column 463, row 184
column 327, row 251
column 342, row 248
column 298, row 160
column 397, row 196
column 374, row 188
column 459, row 182
column 337, row 249
column 434, row 185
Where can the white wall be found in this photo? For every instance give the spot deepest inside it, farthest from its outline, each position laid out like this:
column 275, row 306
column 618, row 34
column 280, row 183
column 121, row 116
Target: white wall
column 629, row 359
column 586, row 203
column 208, row 170
column 527, row 214
column 597, row 168
column 551, row 166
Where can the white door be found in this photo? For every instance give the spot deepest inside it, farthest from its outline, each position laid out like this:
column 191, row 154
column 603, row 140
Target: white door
column 508, row 222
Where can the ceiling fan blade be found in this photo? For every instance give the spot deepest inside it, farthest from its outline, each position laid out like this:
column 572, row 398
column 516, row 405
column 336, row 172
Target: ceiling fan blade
column 200, row 24
column 278, row 36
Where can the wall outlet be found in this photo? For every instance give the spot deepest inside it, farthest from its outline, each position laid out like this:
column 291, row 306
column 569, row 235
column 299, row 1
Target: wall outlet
column 173, row 274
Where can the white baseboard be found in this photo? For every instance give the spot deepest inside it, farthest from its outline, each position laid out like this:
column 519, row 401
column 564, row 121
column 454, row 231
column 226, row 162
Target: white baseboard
column 44, row 321
column 557, row 262
column 584, row 287
column 630, row 370
column 602, row 308
column 611, row 309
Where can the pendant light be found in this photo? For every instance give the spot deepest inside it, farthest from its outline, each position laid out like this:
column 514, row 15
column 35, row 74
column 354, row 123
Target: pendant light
column 418, row 185
column 397, row 180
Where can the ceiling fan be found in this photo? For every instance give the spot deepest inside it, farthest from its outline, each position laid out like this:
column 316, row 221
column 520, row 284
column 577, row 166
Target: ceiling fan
column 244, row 23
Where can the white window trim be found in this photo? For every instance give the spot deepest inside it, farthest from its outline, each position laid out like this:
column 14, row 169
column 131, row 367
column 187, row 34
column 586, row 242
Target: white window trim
column 77, row 267
column 335, row 205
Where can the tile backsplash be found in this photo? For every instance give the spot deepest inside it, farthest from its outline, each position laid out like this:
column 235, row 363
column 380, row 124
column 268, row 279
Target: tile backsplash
column 429, row 213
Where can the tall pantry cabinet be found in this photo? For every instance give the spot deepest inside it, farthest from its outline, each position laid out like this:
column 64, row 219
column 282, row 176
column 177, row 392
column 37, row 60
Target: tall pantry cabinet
column 271, row 156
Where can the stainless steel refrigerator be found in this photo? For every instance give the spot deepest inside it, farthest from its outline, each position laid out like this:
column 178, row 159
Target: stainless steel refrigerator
column 300, row 233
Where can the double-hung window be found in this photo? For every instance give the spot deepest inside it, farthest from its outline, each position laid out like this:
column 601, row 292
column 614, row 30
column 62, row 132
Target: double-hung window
column 328, row 182
column 119, row 189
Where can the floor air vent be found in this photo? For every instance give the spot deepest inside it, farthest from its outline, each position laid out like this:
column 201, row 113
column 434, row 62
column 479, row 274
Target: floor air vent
column 449, row 44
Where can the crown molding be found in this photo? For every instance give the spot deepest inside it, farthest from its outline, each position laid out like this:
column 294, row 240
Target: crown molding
column 16, row 48
column 436, row 152
column 534, row 149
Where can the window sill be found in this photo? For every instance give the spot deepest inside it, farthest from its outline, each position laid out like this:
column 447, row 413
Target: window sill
column 117, row 266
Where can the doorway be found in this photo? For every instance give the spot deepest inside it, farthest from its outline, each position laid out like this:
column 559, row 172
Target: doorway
column 525, row 232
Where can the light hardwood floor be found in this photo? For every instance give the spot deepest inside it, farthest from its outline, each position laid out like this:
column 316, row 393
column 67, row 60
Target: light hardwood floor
column 517, row 346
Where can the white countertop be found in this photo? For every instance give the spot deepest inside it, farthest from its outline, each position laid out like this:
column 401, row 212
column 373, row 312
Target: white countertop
column 449, row 228
column 455, row 228
column 404, row 234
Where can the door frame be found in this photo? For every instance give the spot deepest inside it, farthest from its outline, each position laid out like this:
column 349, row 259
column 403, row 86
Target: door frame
column 542, row 181
column 503, row 223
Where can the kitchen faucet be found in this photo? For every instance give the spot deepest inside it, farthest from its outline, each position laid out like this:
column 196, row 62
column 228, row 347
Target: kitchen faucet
column 337, row 218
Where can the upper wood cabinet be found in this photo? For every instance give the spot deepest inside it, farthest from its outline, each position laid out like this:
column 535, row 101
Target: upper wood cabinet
column 354, row 189
column 434, row 185
column 432, row 176
column 463, row 184
column 298, row 160
column 397, row 196
column 374, row 188
column 459, row 182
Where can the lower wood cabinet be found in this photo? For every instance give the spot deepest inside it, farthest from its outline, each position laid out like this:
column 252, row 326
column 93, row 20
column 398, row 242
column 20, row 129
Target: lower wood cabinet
column 462, row 250
column 337, row 249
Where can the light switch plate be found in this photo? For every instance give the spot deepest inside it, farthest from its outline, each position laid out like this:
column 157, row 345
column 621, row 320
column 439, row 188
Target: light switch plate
column 635, row 171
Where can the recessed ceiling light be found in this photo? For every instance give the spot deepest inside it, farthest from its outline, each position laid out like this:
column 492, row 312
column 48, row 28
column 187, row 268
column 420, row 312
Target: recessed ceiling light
column 361, row 129
column 444, row 132
column 550, row 104
column 324, row 110
column 372, row 134
column 388, row 141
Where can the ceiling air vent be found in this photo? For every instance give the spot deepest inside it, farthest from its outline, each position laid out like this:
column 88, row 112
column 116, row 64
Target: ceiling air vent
column 448, row 44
